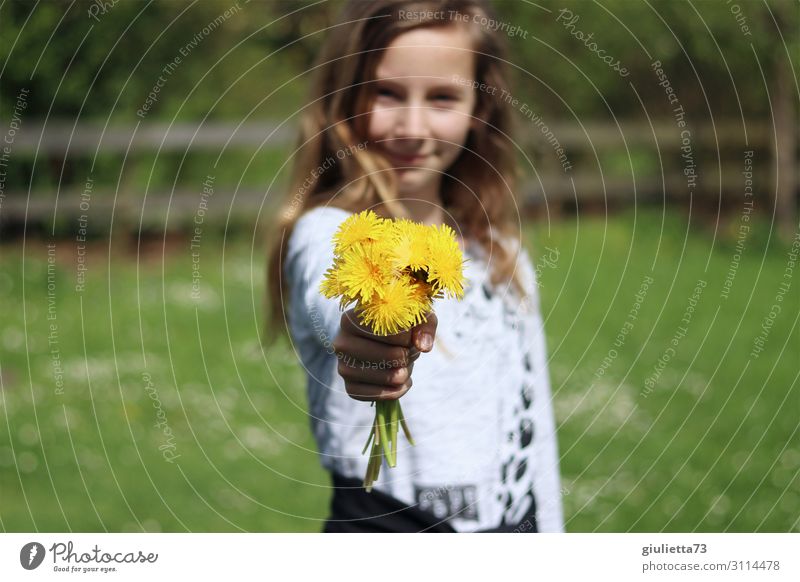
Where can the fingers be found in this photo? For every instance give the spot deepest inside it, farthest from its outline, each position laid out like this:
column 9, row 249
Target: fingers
column 366, row 373
column 369, row 392
column 424, row 333
column 351, row 325
column 420, row 336
column 356, row 349
column 379, row 367
column 366, row 383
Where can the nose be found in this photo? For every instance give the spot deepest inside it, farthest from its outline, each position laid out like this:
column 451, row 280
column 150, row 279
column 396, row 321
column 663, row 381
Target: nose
column 411, row 122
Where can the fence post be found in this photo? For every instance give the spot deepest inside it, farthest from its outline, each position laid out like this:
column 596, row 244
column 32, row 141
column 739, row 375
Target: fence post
column 785, row 143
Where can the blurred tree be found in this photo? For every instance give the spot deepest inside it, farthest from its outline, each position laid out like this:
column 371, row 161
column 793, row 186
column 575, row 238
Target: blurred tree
column 727, row 61
column 107, row 61
column 701, row 45
column 66, row 56
column 95, row 59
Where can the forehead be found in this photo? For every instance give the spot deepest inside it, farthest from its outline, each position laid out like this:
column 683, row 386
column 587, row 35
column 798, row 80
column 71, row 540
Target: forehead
column 428, row 52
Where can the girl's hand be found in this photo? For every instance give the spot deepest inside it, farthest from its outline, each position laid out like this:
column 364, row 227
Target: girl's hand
column 379, row 367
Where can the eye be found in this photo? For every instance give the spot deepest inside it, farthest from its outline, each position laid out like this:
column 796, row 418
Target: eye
column 386, row 92
column 444, row 100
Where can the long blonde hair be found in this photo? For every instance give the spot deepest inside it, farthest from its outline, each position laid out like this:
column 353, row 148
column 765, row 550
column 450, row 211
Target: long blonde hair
column 477, row 189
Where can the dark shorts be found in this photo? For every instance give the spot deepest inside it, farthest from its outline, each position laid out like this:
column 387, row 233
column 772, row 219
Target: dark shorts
column 353, row 510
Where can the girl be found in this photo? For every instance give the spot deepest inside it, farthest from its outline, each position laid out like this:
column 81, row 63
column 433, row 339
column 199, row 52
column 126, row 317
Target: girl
column 406, row 119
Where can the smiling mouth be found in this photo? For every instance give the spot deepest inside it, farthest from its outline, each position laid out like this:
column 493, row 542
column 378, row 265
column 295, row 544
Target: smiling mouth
column 399, row 158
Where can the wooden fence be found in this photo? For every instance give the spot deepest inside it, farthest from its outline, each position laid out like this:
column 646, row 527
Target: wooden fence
column 578, row 173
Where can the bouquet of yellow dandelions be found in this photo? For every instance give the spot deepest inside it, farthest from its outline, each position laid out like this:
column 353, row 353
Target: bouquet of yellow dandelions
column 392, row 270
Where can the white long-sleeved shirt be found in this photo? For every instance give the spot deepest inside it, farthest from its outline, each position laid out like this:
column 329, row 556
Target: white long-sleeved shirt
column 480, row 408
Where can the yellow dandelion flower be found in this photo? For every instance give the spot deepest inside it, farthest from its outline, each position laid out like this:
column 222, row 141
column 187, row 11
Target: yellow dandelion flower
column 363, row 272
column 392, row 270
column 422, row 293
column 445, row 262
column 409, row 248
column 396, row 309
column 361, row 228
column 332, row 287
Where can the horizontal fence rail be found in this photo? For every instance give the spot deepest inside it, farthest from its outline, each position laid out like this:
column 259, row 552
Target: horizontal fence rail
column 716, row 148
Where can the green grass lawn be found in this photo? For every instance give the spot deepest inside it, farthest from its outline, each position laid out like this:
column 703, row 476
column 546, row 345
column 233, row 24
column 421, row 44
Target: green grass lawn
column 169, row 416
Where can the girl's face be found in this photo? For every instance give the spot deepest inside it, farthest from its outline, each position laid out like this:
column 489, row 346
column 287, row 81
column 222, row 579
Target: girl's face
column 423, row 107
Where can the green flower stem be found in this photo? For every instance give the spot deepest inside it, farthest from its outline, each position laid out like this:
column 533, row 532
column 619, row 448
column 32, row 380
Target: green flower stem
column 384, row 439
column 393, row 416
column 404, row 425
column 387, row 446
column 377, row 461
column 369, row 439
column 374, row 467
